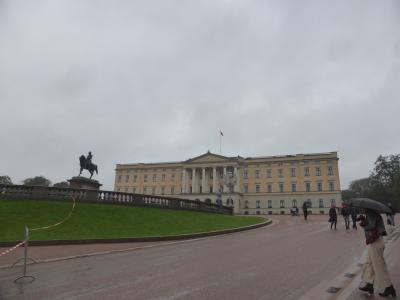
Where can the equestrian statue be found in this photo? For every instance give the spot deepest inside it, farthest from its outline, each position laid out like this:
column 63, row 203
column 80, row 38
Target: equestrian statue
column 86, row 163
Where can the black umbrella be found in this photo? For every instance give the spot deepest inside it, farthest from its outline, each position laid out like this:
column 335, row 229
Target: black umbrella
column 370, row 204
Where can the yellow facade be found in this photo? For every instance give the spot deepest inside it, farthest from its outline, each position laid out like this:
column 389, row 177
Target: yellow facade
column 264, row 185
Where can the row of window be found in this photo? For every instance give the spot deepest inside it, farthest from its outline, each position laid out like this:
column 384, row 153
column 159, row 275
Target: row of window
column 171, row 190
column 280, row 172
column 148, row 170
column 145, row 177
column 281, row 187
column 282, row 203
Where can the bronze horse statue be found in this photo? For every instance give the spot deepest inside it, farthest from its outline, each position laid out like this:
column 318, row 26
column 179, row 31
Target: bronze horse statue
column 88, row 165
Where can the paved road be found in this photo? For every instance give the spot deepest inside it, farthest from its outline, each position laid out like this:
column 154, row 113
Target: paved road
column 281, row 261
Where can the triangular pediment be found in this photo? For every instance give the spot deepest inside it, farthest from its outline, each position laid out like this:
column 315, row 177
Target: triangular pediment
column 208, row 158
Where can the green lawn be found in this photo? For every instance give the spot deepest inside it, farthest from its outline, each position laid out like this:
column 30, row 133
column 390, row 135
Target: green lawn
column 90, row 221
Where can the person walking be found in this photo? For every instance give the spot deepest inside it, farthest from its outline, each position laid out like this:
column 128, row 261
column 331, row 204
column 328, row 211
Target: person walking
column 305, row 208
column 353, row 214
column 346, row 215
column 375, row 271
column 333, row 215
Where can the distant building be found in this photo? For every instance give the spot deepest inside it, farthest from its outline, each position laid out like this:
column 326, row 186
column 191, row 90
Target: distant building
column 264, row 185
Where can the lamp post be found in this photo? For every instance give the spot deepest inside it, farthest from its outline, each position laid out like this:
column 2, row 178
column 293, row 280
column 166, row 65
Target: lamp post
column 230, row 181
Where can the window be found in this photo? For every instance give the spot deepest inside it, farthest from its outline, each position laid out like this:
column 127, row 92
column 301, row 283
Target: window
column 134, row 178
column 269, row 188
column 144, row 189
column 246, row 204
column 126, row 189
column 309, row 203
column 319, row 186
column 153, row 190
column 258, row 204
column 321, row 203
column 308, row 187
column 280, row 172
column 282, row 203
column 257, row 188
column 293, row 172
column 318, row 171
column 163, row 177
column 330, row 170
column 145, row 178
column 173, row 177
column 127, row 178
column 333, row 201
column 154, row 178
column 294, row 203
column 269, row 203
column 134, row 190
column 257, row 173
column 281, row 187
column 172, row 190
column 269, row 173
column 245, row 174
column 293, row 187
column 119, row 178
column 306, row 171
column 246, row 188
column 162, row 190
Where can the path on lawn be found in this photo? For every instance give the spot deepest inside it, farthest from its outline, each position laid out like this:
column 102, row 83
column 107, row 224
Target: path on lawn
column 281, row 261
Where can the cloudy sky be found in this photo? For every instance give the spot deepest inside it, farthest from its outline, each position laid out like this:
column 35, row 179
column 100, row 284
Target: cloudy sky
column 150, row 81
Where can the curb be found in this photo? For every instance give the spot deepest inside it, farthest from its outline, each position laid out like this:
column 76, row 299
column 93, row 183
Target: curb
column 139, row 239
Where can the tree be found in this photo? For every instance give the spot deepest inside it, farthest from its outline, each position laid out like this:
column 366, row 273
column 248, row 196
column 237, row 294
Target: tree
column 385, row 180
column 348, row 194
column 5, row 180
column 361, row 187
column 38, row 180
column 62, row 184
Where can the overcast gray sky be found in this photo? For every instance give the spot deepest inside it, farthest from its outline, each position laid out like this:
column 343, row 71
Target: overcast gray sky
column 150, row 81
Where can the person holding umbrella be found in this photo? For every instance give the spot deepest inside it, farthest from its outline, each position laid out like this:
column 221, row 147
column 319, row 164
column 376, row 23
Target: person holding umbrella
column 375, row 271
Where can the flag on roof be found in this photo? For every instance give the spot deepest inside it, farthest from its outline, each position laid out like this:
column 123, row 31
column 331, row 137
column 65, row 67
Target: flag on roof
column 221, row 133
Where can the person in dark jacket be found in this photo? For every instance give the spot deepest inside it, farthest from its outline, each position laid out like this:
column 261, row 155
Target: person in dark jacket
column 353, row 214
column 333, row 215
column 346, row 215
column 375, row 271
column 305, row 212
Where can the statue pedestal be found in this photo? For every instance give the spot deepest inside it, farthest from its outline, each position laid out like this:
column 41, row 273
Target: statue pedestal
column 79, row 182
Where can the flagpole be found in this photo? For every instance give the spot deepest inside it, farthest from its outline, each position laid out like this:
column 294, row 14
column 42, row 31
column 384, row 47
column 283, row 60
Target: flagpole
column 220, row 143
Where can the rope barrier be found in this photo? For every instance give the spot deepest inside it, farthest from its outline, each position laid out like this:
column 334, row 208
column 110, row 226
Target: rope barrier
column 12, row 248
column 58, row 223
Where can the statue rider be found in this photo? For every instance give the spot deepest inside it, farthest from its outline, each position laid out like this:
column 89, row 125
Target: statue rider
column 89, row 159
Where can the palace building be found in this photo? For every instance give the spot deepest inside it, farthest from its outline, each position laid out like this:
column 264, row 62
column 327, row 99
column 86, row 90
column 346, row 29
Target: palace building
column 259, row 185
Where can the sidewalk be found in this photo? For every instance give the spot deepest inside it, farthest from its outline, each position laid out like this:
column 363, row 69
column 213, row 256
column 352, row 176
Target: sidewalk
column 392, row 256
column 53, row 253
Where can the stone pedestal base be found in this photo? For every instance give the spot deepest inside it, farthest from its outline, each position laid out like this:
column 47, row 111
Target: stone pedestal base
column 84, row 183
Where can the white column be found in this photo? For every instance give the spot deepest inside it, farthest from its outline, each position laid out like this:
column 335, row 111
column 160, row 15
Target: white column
column 235, row 172
column 223, row 186
column 203, row 181
column 194, row 189
column 187, row 180
column 184, row 180
column 215, row 188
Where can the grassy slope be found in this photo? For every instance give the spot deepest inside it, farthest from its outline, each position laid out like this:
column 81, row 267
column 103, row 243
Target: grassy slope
column 106, row 221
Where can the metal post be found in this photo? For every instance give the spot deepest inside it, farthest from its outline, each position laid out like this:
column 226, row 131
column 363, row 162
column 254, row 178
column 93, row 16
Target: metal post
column 26, row 257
